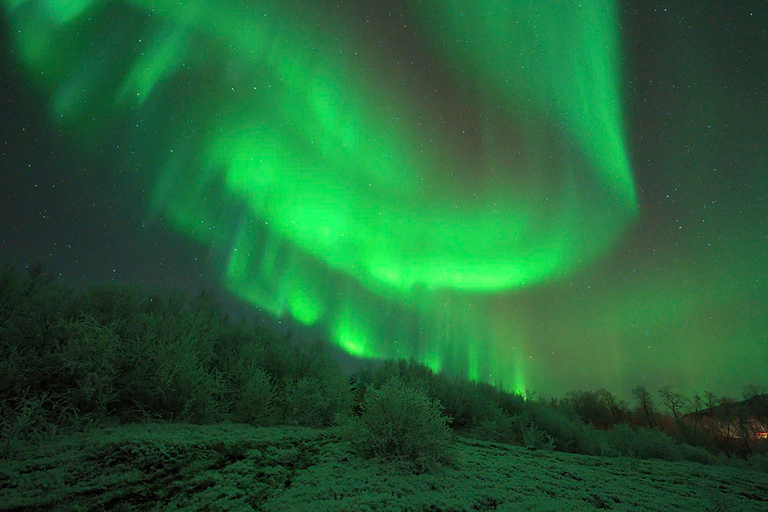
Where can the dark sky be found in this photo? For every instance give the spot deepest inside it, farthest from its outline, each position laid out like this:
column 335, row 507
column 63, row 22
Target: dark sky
column 678, row 297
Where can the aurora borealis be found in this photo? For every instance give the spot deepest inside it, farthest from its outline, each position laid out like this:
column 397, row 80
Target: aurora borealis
column 549, row 197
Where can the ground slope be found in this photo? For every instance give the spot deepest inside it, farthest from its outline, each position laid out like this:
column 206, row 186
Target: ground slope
column 243, row 468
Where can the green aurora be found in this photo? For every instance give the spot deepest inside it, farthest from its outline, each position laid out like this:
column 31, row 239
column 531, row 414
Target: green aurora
column 407, row 183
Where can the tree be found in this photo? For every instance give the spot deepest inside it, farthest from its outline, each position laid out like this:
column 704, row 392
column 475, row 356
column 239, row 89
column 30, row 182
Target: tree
column 599, row 408
column 710, row 400
column 399, row 422
column 672, row 401
column 752, row 390
column 696, row 405
column 617, row 406
column 646, row 407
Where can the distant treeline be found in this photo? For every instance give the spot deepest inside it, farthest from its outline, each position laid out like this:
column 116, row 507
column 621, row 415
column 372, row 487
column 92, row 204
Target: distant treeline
column 112, row 354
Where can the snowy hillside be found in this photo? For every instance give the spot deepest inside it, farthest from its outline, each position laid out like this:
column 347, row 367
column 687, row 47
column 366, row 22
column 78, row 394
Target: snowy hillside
column 241, row 467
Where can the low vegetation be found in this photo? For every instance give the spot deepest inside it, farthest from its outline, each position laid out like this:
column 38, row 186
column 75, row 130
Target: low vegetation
column 73, row 360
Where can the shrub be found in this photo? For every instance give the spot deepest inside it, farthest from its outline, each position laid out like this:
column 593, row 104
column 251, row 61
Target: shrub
column 537, row 439
column 194, row 392
column 293, row 358
column 522, row 430
column 89, row 357
column 757, row 462
column 512, row 428
column 312, row 402
column 592, row 407
column 163, row 375
column 510, row 403
column 642, row 443
column 463, row 401
column 31, row 419
column 398, row 422
column 240, row 351
column 411, row 372
column 569, row 434
column 487, row 430
column 697, row 454
column 253, row 399
column 493, row 424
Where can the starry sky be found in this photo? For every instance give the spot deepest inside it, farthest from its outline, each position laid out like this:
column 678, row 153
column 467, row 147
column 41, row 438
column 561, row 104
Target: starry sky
column 547, row 198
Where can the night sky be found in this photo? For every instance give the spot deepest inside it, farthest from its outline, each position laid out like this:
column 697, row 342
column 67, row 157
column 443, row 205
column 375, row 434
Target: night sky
column 558, row 197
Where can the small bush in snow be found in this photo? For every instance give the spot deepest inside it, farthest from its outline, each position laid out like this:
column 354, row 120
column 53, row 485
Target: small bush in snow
column 535, row 438
column 569, row 434
column 399, row 422
column 312, row 402
column 253, row 398
column 642, row 443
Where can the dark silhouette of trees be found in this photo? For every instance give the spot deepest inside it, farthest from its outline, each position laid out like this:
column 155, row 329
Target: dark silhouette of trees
column 646, row 408
column 752, row 390
column 601, row 408
column 673, row 401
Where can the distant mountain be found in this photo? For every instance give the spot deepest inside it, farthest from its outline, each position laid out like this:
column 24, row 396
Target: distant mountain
column 752, row 406
column 745, row 419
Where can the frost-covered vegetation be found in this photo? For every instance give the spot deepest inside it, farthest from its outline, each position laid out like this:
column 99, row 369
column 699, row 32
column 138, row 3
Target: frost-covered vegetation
column 238, row 467
column 109, row 357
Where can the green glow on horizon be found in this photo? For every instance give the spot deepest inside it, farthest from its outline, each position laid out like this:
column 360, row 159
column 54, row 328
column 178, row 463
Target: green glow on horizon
column 338, row 195
column 350, row 333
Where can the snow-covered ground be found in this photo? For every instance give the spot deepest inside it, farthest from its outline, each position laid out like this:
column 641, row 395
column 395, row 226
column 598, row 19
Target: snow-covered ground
column 242, row 468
